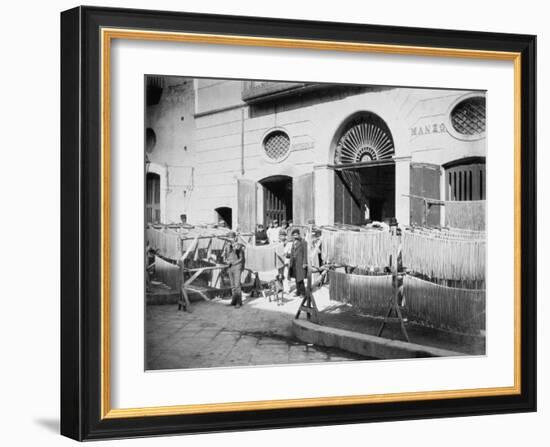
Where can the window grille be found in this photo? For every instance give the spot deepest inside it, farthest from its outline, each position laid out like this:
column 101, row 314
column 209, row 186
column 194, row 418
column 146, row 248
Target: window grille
column 277, row 145
column 468, row 116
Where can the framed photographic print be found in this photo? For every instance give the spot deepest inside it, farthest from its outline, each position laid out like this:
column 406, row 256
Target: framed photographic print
column 274, row 223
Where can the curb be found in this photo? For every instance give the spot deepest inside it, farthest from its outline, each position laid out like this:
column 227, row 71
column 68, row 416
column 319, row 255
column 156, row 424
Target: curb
column 363, row 344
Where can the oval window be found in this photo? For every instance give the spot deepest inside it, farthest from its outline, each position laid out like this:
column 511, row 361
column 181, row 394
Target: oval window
column 468, row 116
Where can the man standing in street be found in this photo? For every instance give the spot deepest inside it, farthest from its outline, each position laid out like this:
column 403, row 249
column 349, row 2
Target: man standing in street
column 234, row 258
column 298, row 261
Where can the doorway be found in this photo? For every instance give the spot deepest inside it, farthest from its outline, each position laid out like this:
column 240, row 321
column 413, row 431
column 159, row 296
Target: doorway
column 225, row 215
column 364, row 194
column 277, row 198
column 364, row 171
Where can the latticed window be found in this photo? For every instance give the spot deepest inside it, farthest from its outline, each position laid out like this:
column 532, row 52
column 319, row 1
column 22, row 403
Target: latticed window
column 468, row 116
column 277, row 145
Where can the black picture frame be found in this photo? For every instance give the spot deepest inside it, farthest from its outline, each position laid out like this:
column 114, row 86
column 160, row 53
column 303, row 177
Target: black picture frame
column 81, row 223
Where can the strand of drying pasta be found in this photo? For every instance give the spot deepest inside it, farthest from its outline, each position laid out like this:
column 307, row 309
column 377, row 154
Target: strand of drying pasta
column 353, row 248
column 166, row 242
column 370, row 294
column 260, row 258
column 444, row 258
column 444, row 307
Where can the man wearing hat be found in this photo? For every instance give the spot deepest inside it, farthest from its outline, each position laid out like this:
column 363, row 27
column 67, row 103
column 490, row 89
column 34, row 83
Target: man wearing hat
column 298, row 261
column 233, row 256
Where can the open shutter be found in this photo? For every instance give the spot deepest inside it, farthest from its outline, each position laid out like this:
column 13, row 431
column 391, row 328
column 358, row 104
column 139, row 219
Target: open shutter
column 246, row 192
column 349, row 201
column 303, row 199
column 425, row 183
column 152, row 200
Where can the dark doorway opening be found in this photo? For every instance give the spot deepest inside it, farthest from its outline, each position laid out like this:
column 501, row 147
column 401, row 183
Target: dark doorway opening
column 364, row 171
column 152, row 198
column 365, row 193
column 277, row 198
column 225, row 215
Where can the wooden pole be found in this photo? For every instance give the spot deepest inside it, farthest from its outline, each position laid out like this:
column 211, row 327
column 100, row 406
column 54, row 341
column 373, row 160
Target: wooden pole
column 394, row 304
column 242, row 141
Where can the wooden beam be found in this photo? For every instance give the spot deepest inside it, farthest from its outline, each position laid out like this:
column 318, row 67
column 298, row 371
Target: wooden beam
column 199, row 292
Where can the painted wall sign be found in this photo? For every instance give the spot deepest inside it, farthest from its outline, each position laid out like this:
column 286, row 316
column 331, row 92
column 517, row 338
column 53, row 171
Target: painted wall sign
column 428, row 129
column 302, row 146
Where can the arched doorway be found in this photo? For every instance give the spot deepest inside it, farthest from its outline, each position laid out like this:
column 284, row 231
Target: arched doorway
column 225, row 215
column 277, row 198
column 364, row 171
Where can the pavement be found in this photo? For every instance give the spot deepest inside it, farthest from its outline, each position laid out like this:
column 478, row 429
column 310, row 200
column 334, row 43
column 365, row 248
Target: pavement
column 216, row 334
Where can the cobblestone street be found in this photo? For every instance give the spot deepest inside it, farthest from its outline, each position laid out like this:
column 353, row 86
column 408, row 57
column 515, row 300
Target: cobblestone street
column 216, row 334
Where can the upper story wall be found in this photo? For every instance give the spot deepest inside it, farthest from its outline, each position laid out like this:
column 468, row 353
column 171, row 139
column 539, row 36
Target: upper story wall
column 204, row 127
column 173, row 123
column 217, row 94
column 431, row 134
column 170, row 119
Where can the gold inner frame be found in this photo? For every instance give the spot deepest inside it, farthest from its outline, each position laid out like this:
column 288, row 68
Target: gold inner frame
column 107, row 35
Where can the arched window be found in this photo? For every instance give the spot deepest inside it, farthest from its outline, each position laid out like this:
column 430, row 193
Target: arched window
column 465, row 179
column 365, row 138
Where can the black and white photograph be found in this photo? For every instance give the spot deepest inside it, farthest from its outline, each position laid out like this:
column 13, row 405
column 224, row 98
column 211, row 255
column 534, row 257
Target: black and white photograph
column 303, row 222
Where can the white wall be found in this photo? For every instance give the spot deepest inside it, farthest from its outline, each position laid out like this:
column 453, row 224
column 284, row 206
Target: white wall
column 29, row 317
column 173, row 156
column 225, row 126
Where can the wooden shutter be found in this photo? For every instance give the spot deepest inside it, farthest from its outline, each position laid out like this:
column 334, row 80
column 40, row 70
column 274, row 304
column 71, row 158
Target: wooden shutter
column 425, row 182
column 303, row 199
column 349, row 201
column 246, row 191
column 152, row 198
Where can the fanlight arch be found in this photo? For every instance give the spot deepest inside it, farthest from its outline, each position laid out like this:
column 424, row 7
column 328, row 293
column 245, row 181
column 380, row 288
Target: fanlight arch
column 365, row 138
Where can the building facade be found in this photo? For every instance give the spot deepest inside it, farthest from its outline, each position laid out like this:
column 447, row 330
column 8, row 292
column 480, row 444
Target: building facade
column 248, row 152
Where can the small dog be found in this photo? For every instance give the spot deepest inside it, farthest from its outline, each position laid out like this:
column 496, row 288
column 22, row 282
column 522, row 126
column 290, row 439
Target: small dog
column 276, row 290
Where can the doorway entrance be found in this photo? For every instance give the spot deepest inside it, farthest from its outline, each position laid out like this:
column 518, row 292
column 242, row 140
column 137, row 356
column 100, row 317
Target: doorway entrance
column 364, row 171
column 225, row 214
column 277, row 198
column 364, row 194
